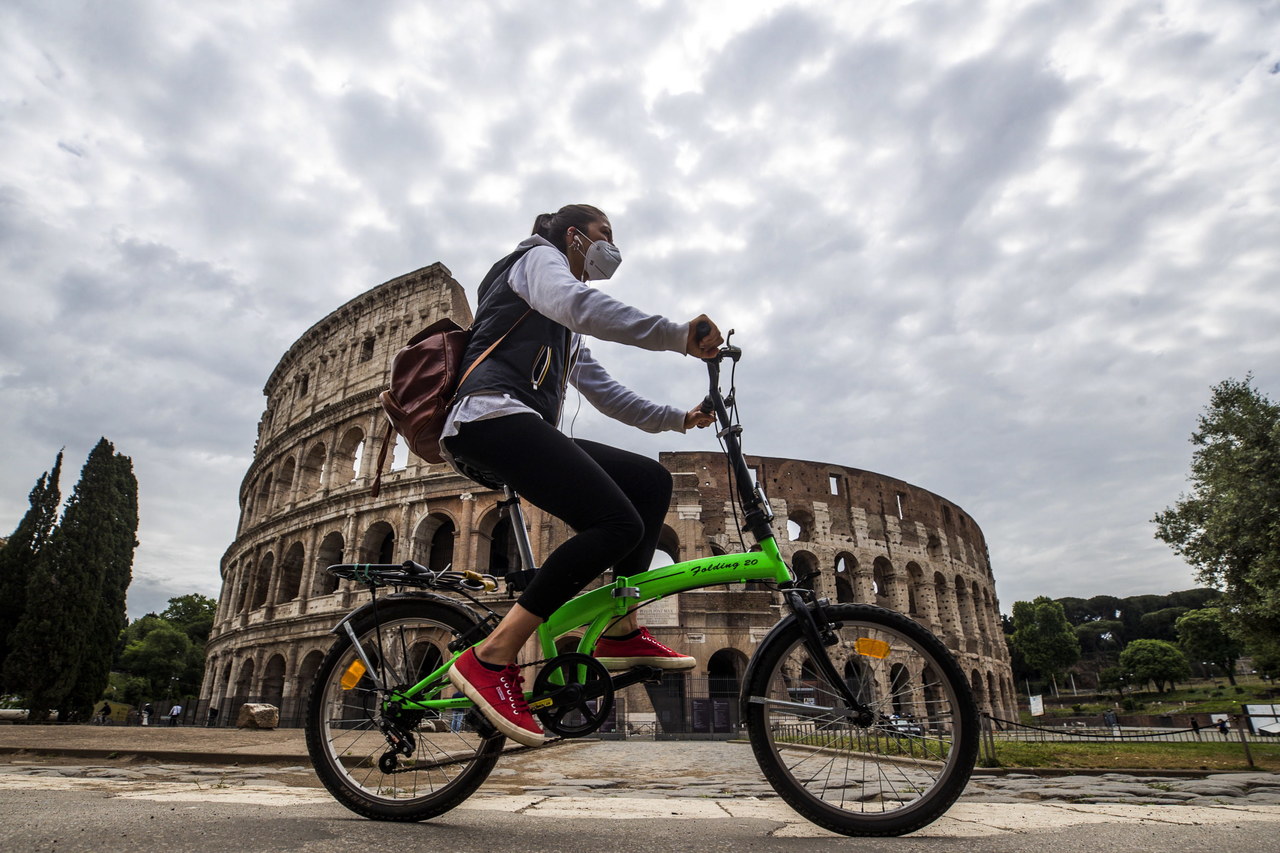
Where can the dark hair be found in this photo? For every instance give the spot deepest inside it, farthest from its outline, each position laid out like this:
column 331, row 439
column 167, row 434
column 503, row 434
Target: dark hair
column 552, row 226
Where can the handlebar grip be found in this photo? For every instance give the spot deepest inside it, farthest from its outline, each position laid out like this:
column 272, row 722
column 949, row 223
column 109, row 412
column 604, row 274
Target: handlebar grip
column 708, row 407
column 701, row 330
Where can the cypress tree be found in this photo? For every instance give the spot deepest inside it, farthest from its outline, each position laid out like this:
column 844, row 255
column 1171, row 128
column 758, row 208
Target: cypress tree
column 19, row 554
column 72, row 593
column 116, row 560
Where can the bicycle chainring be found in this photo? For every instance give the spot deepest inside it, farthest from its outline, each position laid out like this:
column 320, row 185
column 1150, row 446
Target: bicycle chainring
column 572, row 695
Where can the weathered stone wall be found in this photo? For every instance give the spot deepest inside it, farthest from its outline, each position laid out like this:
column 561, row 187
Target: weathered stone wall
column 305, row 504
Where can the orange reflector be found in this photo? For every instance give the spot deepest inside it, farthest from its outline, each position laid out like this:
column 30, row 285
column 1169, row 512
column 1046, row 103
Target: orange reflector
column 352, row 676
column 872, row 648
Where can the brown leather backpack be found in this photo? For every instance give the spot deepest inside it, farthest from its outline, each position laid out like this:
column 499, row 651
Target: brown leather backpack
column 424, row 382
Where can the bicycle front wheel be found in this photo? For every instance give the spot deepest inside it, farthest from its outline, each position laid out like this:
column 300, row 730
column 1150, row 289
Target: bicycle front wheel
column 888, row 772
column 346, row 718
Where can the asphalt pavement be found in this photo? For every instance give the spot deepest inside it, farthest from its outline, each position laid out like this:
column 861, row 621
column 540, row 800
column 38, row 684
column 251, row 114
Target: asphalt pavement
column 676, row 795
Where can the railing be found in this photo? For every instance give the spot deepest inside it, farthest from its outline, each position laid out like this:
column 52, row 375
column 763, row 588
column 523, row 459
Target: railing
column 1239, row 729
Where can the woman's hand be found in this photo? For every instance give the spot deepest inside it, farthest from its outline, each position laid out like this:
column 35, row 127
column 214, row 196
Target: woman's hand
column 695, row 417
column 710, row 343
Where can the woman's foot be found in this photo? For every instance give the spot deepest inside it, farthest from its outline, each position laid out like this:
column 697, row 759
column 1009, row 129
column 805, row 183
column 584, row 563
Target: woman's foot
column 499, row 694
column 639, row 648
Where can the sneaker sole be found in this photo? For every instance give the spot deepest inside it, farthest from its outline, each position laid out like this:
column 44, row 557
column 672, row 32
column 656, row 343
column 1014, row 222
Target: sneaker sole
column 669, row 664
column 501, row 723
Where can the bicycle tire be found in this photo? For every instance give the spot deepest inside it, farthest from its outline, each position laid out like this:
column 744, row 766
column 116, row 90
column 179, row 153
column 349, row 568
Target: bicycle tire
column 450, row 760
column 892, row 775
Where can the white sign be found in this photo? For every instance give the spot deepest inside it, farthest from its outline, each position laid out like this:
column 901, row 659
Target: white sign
column 695, row 638
column 1037, row 705
column 663, row 613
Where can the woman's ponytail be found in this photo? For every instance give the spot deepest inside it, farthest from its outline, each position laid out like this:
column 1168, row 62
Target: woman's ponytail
column 542, row 225
column 552, row 226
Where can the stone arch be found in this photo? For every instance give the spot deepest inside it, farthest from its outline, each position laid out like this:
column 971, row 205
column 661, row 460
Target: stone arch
column 805, row 567
column 915, row 589
column 979, row 691
column 724, row 678
column 934, row 547
column 845, row 591
column 244, row 683
column 291, row 573
column 347, row 457
column 504, row 551
column 273, row 681
column 800, row 525
column 284, row 484
column 262, row 504
column 307, row 672
column 312, row 470
column 223, row 691
column 378, row 545
column 715, row 550
column 900, row 690
column 328, row 554
column 433, row 541
column 244, row 578
column 860, row 679
column 669, row 543
column 262, row 581
column 882, row 576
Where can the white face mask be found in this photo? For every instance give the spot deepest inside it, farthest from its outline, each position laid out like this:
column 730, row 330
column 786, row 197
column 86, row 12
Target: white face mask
column 600, row 260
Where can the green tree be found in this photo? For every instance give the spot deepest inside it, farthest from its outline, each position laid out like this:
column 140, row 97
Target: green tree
column 193, row 614
column 20, row 552
column 159, row 657
column 1157, row 661
column 62, row 646
column 1203, row 637
column 1042, row 635
column 1226, row 526
column 117, row 532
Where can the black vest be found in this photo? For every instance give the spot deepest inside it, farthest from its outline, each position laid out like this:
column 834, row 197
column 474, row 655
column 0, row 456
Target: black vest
column 532, row 363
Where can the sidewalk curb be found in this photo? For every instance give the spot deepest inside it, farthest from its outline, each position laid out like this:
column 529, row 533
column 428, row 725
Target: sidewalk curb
column 166, row 755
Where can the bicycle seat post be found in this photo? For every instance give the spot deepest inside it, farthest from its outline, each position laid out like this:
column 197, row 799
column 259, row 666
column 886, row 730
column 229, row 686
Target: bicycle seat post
column 512, row 504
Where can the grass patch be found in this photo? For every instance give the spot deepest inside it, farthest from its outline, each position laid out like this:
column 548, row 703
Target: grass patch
column 1148, row 756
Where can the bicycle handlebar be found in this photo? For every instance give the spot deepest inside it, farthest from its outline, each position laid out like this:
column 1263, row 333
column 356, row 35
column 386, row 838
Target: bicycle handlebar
column 755, row 504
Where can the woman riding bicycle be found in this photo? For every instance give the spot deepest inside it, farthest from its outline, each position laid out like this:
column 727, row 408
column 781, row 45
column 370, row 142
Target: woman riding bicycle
column 503, row 429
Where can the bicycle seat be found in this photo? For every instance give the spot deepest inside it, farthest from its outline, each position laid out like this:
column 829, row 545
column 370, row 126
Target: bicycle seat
column 485, row 478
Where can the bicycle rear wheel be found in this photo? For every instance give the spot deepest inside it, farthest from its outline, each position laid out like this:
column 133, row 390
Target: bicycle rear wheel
column 352, row 756
column 888, row 774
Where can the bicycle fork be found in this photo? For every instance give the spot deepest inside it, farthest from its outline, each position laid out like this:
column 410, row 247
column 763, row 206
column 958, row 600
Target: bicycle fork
column 819, row 635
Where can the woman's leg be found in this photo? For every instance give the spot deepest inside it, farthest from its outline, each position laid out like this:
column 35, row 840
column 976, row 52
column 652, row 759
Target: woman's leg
column 561, row 476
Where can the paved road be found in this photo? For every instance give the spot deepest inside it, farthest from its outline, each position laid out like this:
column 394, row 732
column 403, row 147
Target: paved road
column 582, row 796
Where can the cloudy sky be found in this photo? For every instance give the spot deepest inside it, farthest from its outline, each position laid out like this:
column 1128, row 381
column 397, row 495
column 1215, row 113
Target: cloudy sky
column 1001, row 250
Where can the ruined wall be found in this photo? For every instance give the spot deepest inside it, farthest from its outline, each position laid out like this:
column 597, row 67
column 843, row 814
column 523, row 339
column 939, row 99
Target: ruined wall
column 305, row 504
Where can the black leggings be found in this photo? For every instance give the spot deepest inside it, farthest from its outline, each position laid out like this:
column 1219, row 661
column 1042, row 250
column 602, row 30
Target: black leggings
column 615, row 500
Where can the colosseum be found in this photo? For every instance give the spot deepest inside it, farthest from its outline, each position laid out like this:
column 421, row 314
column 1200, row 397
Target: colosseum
column 305, row 504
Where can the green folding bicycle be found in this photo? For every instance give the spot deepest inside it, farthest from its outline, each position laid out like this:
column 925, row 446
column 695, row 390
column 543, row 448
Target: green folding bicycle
column 860, row 718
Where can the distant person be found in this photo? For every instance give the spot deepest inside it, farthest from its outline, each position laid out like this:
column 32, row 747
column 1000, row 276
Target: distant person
column 1224, row 726
column 174, row 713
column 104, row 713
column 147, row 711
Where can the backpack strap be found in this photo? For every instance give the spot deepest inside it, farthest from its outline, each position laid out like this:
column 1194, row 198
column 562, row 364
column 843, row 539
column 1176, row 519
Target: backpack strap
column 382, row 459
column 485, row 355
column 391, row 430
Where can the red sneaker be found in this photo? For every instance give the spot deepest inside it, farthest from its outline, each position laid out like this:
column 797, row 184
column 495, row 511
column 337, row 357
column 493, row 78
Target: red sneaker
column 499, row 694
column 640, row 649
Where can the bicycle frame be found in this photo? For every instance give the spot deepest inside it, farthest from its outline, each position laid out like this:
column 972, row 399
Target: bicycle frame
column 597, row 608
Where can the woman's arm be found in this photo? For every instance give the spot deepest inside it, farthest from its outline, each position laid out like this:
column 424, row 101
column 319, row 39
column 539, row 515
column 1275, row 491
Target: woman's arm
column 621, row 403
column 542, row 278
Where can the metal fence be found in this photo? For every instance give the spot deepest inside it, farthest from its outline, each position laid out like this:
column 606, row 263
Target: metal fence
column 1239, row 729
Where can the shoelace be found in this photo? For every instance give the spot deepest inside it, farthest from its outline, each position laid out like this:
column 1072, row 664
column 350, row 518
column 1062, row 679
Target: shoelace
column 514, row 681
